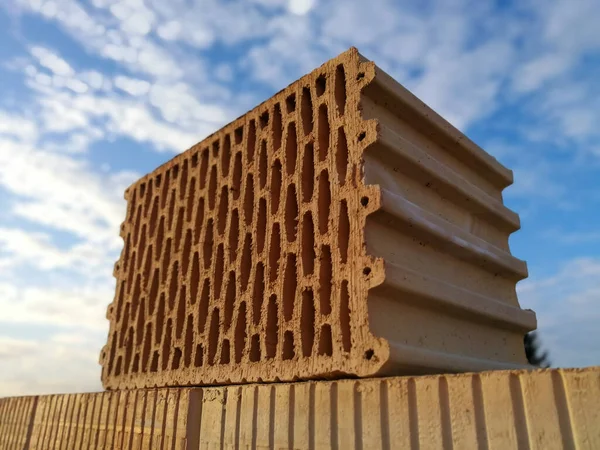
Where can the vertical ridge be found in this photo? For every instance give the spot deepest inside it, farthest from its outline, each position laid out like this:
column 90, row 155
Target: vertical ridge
column 88, row 435
column 115, row 434
column 479, row 410
column 130, row 427
column 311, row 416
column 163, row 425
column 333, row 421
column 153, row 422
column 98, row 420
column 238, row 417
column 13, row 434
column 413, row 415
column 358, row 419
column 254, row 416
column 223, row 422
column 562, row 408
column 272, row 417
column 46, row 421
column 445, row 414
column 292, row 406
column 52, row 423
column 10, row 416
column 385, row 415
column 520, row 416
column 81, row 428
column 67, row 420
column 175, row 417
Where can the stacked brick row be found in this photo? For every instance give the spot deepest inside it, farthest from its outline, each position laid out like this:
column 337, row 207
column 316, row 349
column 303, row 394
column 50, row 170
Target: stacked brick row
column 340, row 228
column 544, row 409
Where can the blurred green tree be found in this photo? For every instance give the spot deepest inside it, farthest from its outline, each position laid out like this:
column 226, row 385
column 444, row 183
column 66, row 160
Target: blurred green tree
column 535, row 356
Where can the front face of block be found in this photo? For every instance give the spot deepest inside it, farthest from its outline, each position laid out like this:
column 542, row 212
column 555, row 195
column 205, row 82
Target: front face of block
column 244, row 256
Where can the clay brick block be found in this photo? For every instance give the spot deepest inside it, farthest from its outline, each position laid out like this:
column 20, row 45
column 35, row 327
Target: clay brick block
column 340, row 228
column 538, row 410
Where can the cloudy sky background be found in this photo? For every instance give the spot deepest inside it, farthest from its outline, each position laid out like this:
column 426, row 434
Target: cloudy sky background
column 96, row 93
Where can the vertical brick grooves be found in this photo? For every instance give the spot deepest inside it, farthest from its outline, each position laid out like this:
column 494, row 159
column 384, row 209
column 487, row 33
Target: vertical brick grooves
column 14, row 424
column 49, row 423
column 10, row 421
column 520, row 415
column 563, row 410
column 7, row 418
column 129, row 426
column 97, row 420
column 25, row 407
column 82, row 421
column 111, row 420
column 30, row 422
column 479, row 410
column 534, row 409
column 17, row 414
column 67, row 421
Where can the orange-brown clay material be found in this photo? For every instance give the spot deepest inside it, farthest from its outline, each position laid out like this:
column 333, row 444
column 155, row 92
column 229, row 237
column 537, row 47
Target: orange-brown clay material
column 538, row 410
column 339, row 228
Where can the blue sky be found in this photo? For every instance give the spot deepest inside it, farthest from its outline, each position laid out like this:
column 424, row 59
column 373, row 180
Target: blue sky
column 95, row 93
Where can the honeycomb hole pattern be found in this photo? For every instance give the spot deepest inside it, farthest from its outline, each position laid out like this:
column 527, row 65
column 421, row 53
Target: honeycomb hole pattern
column 243, row 257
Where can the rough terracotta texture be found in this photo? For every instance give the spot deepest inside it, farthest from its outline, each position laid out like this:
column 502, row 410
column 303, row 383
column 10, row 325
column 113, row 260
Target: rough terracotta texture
column 339, row 228
column 152, row 419
column 16, row 422
column 545, row 410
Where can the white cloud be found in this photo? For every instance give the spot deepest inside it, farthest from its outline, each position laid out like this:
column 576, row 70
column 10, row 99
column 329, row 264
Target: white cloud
column 132, row 86
column 52, row 62
column 19, row 127
column 534, row 73
column 66, row 367
column 57, row 306
column 301, row 7
column 170, row 31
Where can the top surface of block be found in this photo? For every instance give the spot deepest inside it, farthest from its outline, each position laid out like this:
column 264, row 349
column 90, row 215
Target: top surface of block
column 320, row 234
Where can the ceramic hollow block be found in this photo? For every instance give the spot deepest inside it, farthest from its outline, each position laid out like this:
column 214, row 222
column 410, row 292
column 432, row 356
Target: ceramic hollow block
column 339, row 228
